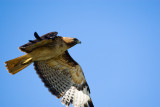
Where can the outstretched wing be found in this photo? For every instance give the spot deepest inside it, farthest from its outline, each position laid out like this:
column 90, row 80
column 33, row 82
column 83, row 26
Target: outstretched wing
column 64, row 78
column 39, row 41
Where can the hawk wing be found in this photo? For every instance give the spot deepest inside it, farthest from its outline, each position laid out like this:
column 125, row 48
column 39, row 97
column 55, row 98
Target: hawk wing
column 38, row 42
column 64, row 78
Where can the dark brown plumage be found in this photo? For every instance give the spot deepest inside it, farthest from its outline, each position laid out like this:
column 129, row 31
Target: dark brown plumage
column 61, row 74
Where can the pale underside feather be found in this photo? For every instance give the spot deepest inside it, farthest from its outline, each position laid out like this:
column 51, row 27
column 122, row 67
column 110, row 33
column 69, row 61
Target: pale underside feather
column 60, row 83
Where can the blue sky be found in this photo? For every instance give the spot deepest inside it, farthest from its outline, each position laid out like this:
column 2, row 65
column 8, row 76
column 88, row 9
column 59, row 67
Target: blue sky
column 119, row 54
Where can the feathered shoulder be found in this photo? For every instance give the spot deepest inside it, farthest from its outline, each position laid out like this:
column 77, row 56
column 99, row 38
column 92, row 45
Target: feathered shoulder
column 38, row 42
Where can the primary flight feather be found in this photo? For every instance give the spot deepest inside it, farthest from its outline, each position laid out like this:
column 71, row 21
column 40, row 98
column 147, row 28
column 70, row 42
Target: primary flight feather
column 61, row 74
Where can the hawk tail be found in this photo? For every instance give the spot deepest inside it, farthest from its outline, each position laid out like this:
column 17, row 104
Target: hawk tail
column 79, row 98
column 17, row 64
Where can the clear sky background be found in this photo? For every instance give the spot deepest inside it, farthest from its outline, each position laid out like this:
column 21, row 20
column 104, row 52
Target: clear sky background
column 119, row 54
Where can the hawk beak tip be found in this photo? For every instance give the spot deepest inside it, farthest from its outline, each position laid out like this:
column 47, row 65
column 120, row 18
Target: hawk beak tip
column 78, row 42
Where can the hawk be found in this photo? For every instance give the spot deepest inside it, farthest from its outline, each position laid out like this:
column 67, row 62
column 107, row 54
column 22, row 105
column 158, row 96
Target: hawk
column 61, row 74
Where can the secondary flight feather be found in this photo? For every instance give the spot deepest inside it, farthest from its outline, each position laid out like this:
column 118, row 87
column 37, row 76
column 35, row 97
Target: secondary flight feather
column 61, row 74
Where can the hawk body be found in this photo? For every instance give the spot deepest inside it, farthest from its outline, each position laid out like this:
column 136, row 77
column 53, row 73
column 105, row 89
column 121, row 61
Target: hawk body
column 61, row 74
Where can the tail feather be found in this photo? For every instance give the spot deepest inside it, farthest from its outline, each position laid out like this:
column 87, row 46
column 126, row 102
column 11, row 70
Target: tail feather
column 17, row 64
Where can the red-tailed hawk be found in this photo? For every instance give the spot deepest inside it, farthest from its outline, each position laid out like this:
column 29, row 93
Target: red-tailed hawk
column 61, row 74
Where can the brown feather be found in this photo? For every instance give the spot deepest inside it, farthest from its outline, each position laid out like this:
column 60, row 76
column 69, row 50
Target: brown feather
column 61, row 74
column 65, row 61
column 64, row 77
column 33, row 44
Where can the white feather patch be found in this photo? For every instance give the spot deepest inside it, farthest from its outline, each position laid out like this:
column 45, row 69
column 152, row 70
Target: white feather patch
column 79, row 98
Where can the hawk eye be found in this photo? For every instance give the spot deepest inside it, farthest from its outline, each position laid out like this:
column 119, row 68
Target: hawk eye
column 75, row 40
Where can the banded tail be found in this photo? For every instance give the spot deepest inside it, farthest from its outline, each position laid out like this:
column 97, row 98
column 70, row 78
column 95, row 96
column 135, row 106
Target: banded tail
column 17, row 64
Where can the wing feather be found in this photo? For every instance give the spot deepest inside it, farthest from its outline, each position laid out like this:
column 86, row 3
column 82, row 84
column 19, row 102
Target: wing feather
column 33, row 44
column 64, row 78
column 54, row 80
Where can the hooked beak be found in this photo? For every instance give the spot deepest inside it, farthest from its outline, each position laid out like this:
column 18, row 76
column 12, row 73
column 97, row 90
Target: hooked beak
column 78, row 42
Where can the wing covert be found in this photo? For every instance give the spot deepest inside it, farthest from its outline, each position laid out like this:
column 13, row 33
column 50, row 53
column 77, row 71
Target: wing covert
column 39, row 41
column 56, row 82
column 64, row 78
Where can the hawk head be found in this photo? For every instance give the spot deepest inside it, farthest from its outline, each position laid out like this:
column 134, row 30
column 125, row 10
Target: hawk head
column 49, row 39
column 71, row 41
